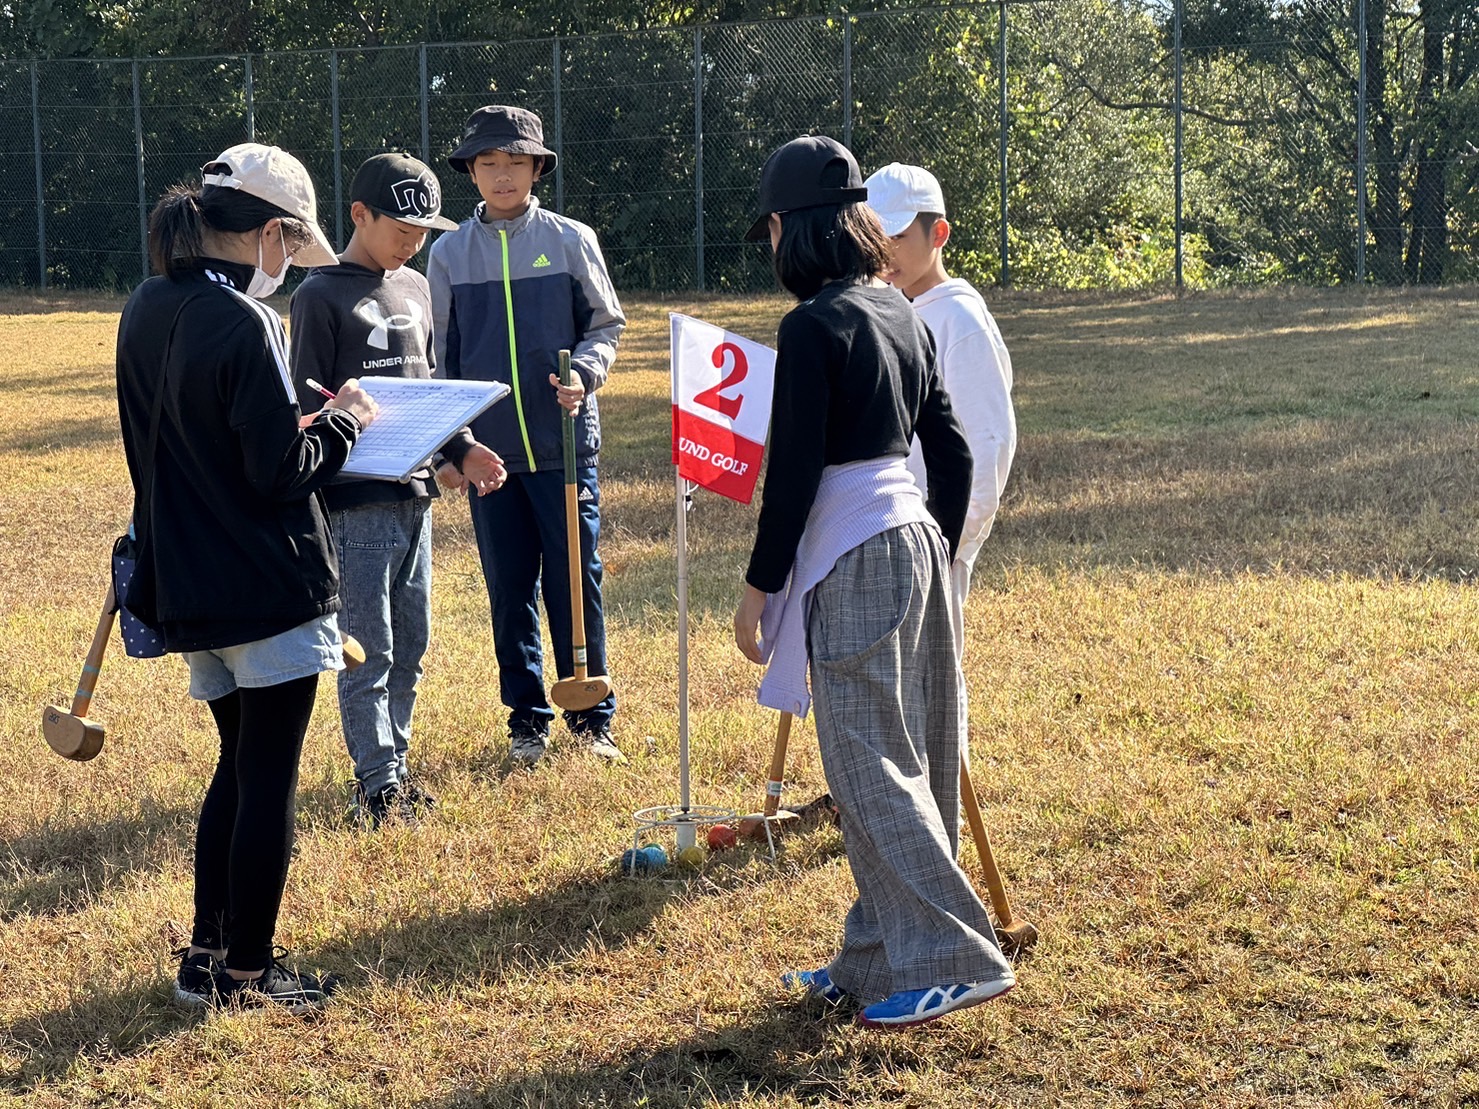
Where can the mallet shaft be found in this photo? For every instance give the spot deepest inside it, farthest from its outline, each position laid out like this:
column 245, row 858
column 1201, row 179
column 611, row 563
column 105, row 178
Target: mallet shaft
column 92, row 665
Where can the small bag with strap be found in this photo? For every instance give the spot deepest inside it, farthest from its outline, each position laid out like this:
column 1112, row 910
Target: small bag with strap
column 137, row 619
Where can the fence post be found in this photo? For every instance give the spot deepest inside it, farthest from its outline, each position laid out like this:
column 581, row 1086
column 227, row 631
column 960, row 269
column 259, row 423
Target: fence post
column 1361, row 141
column 558, row 141
column 698, row 156
column 847, row 81
column 40, row 180
column 250, row 92
column 1003, row 125
column 338, row 152
column 139, row 170
column 425, row 109
column 1177, row 16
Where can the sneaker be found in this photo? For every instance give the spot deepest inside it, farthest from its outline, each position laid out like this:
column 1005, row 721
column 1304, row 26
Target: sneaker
column 195, row 984
column 374, row 809
column 603, row 747
column 277, row 985
column 909, row 1007
column 526, row 746
column 415, row 798
column 817, row 983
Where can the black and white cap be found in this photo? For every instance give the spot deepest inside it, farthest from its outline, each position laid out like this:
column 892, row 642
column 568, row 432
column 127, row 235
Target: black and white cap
column 403, row 188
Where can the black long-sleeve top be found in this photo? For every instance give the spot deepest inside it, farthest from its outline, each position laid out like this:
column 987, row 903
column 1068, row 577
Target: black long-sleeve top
column 236, row 547
column 855, row 378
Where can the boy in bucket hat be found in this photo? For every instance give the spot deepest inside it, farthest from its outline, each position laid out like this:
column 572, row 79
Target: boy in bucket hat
column 512, row 287
column 371, row 315
column 974, row 363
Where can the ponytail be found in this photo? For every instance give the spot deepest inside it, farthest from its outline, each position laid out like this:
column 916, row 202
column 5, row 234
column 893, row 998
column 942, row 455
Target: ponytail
column 179, row 221
column 176, row 229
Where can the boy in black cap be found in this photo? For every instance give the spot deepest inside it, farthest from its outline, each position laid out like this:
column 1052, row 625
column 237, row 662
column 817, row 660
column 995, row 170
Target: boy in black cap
column 371, row 315
column 510, row 289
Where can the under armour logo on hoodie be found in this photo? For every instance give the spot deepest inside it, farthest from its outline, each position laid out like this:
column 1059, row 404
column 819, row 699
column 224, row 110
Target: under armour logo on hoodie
column 381, row 325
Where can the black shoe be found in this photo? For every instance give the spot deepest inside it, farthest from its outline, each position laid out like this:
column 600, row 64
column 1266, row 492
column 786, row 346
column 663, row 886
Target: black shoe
column 296, row 992
column 195, row 984
column 415, row 798
column 526, row 746
column 374, row 809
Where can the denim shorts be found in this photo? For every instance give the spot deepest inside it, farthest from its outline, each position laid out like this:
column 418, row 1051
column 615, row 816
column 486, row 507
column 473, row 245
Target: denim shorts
column 309, row 648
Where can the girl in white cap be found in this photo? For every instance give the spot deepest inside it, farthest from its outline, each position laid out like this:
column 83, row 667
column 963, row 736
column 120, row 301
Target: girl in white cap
column 850, row 575
column 235, row 564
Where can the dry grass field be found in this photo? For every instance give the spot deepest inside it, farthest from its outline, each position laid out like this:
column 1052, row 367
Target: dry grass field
column 1224, row 668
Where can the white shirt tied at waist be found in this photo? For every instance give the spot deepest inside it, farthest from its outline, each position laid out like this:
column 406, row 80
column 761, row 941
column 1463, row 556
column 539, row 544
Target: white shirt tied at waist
column 854, row 502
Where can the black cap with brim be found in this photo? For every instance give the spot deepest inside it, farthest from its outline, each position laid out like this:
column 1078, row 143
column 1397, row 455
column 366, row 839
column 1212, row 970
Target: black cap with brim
column 810, row 172
column 403, row 188
column 500, row 127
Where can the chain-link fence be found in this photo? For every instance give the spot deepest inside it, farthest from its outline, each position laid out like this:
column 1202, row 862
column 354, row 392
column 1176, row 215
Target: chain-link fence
column 1081, row 143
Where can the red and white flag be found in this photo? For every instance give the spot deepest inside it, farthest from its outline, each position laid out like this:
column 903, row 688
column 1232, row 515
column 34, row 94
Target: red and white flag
column 722, row 386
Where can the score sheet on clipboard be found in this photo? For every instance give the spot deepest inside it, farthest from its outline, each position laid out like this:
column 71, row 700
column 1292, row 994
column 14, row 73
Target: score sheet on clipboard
column 417, row 415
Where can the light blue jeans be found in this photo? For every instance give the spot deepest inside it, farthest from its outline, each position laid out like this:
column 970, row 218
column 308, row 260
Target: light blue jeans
column 385, row 584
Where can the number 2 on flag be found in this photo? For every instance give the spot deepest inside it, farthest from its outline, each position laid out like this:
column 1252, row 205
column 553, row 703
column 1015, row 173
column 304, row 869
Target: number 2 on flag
column 711, row 398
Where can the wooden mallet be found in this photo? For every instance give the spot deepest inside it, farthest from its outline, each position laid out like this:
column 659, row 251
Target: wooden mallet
column 71, row 734
column 583, row 691
column 354, row 654
column 1014, row 934
column 774, row 817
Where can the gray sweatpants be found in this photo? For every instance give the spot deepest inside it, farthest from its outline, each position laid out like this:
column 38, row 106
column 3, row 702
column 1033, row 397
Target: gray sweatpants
column 886, row 682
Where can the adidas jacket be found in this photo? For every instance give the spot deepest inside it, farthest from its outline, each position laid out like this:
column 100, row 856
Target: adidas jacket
column 237, row 547
column 507, row 296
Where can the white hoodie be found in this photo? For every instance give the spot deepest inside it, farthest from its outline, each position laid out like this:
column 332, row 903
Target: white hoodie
column 977, row 372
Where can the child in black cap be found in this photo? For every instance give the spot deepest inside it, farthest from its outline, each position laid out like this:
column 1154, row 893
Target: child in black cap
column 841, row 518
column 511, row 288
column 371, row 316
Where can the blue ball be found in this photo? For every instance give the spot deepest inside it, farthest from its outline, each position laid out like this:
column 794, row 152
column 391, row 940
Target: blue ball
column 657, row 858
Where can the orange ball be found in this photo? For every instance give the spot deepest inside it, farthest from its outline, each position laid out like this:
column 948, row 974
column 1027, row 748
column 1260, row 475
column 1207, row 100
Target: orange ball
column 721, row 837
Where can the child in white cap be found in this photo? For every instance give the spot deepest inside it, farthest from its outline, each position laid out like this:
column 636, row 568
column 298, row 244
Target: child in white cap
column 973, row 359
column 236, row 565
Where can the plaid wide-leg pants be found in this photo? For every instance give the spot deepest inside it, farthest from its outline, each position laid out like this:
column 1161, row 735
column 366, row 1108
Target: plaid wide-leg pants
column 886, row 687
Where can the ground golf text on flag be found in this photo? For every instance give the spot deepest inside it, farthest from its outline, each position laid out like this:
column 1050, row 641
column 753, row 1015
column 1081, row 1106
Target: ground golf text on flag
column 722, row 387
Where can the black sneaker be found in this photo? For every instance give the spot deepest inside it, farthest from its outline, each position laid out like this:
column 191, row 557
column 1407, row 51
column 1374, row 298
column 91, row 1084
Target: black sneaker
column 374, row 809
column 296, row 992
column 195, row 984
column 415, row 798
column 526, row 746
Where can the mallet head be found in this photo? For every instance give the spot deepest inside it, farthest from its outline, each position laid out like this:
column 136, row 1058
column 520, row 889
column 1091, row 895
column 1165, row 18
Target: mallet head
column 1019, row 935
column 752, row 827
column 580, row 694
column 354, row 654
column 72, row 737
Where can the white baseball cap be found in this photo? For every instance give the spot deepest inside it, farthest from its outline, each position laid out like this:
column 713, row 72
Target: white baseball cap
column 898, row 193
column 270, row 173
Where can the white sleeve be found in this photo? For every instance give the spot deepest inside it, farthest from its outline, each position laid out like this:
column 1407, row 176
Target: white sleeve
column 977, row 371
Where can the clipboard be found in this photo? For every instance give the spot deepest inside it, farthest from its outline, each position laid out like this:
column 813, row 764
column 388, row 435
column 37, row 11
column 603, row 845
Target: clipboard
column 417, row 415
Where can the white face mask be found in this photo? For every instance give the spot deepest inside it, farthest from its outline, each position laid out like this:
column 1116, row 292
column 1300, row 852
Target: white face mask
column 264, row 284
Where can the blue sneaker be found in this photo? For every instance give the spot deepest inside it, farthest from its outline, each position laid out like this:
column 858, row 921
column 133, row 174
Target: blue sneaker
column 817, row 983
column 917, row 1006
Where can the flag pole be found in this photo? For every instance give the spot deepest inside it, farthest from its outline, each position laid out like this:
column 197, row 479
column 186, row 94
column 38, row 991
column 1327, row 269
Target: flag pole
column 684, row 495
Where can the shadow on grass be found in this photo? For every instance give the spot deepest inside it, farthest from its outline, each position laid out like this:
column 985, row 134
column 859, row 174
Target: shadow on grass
column 96, row 1025
column 778, row 1055
column 60, row 870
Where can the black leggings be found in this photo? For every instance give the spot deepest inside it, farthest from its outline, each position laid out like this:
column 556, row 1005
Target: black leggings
column 245, row 835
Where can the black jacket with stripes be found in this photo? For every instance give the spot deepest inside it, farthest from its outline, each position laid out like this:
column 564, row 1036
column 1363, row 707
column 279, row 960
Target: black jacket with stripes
column 237, row 547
